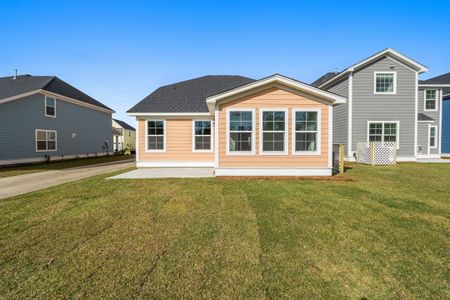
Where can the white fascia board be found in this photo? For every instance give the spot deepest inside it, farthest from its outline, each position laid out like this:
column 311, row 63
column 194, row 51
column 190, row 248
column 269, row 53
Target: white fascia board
column 169, row 114
column 330, row 97
column 389, row 51
column 433, row 85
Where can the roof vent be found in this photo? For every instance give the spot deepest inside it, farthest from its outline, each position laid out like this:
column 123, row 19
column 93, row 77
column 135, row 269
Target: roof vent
column 15, row 74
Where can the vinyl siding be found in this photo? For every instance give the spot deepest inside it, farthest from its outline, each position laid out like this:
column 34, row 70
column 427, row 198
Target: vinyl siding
column 178, row 143
column 20, row 118
column 446, row 127
column 340, row 114
column 433, row 114
column 273, row 98
column 399, row 107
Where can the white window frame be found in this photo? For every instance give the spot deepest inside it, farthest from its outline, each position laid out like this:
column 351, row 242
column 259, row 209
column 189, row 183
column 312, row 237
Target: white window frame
column 375, row 83
column 261, row 131
column 211, row 136
column 435, row 136
column 382, row 130
column 45, row 106
column 425, row 100
column 146, row 136
column 253, row 151
column 319, row 131
column 46, row 132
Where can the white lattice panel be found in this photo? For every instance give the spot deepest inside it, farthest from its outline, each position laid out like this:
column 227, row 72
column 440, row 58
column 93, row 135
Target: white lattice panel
column 376, row 153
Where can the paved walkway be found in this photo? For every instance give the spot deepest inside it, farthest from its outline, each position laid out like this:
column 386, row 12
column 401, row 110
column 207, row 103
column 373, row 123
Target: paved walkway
column 17, row 185
column 166, row 173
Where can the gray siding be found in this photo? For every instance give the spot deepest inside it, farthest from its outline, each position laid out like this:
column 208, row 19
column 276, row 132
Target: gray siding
column 20, row 118
column 399, row 107
column 340, row 114
column 423, row 132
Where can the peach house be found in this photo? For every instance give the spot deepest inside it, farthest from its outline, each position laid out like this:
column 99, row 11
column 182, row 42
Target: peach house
column 275, row 126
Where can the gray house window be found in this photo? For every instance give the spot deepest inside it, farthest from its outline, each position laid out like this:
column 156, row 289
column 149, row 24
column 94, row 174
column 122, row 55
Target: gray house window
column 383, row 131
column 50, row 107
column 45, row 140
column 430, row 100
column 202, row 135
column 385, row 83
column 433, row 130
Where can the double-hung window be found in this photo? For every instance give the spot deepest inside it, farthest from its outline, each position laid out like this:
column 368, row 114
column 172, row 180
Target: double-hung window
column 307, row 132
column 241, row 131
column 432, row 135
column 202, row 135
column 50, row 107
column 45, row 140
column 385, row 82
column 383, row 131
column 431, row 100
column 156, row 135
column 273, row 136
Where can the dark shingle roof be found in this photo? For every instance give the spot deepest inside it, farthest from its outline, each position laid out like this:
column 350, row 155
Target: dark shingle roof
column 26, row 83
column 189, row 95
column 424, row 117
column 124, row 125
column 324, row 78
column 441, row 79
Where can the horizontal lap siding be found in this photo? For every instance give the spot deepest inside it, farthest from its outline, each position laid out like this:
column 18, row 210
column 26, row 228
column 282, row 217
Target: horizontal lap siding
column 273, row 98
column 340, row 114
column 399, row 107
column 179, row 143
column 433, row 114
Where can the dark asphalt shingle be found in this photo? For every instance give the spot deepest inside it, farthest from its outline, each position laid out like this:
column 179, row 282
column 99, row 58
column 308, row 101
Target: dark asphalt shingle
column 324, row 78
column 424, row 117
column 188, row 96
column 26, row 83
column 441, row 79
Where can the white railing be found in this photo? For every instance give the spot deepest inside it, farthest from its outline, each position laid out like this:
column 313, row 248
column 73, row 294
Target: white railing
column 376, row 153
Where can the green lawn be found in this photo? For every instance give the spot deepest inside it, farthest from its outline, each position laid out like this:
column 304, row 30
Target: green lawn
column 26, row 169
column 382, row 232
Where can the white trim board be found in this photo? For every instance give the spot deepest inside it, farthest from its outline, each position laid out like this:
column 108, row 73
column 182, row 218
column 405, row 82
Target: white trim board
column 329, row 97
column 273, row 172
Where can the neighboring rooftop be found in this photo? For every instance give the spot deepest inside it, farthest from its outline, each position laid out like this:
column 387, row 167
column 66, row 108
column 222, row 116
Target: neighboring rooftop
column 441, row 79
column 324, row 78
column 424, row 117
column 124, row 125
column 188, row 96
column 13, row 86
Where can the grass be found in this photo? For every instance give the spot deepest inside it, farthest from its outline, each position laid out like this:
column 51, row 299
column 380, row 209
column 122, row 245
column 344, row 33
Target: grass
column 383, row 233
column 58, row 165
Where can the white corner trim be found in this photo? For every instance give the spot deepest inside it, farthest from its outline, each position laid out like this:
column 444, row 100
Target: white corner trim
column 441, row 108
column 146, row 136
column 297, row 85
column 216, row 136
column 286, row 133
column 211, row 136
column 330, row 136
column 253, row 132
column 350, row 116
column 175, row 164
column 273, row 172
column 416, row 112
column 137, row 140
column 435, row 100
column 319, row 131
column 375, row 83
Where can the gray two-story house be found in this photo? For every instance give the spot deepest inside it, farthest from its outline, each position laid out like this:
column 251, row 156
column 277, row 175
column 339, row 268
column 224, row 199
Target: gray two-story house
column 43, row 118
column 386, row 103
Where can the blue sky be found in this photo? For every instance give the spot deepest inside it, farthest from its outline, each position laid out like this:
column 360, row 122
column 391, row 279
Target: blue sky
column 120, row 51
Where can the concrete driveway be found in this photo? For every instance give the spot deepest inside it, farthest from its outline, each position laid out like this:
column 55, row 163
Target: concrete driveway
column 17, row 185
column 166, row 173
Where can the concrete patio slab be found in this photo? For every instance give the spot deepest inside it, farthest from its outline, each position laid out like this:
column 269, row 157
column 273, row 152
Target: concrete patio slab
column 433, row 160
column 143, row 173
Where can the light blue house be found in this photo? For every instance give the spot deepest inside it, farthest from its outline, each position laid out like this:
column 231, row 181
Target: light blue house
column 43, row 118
